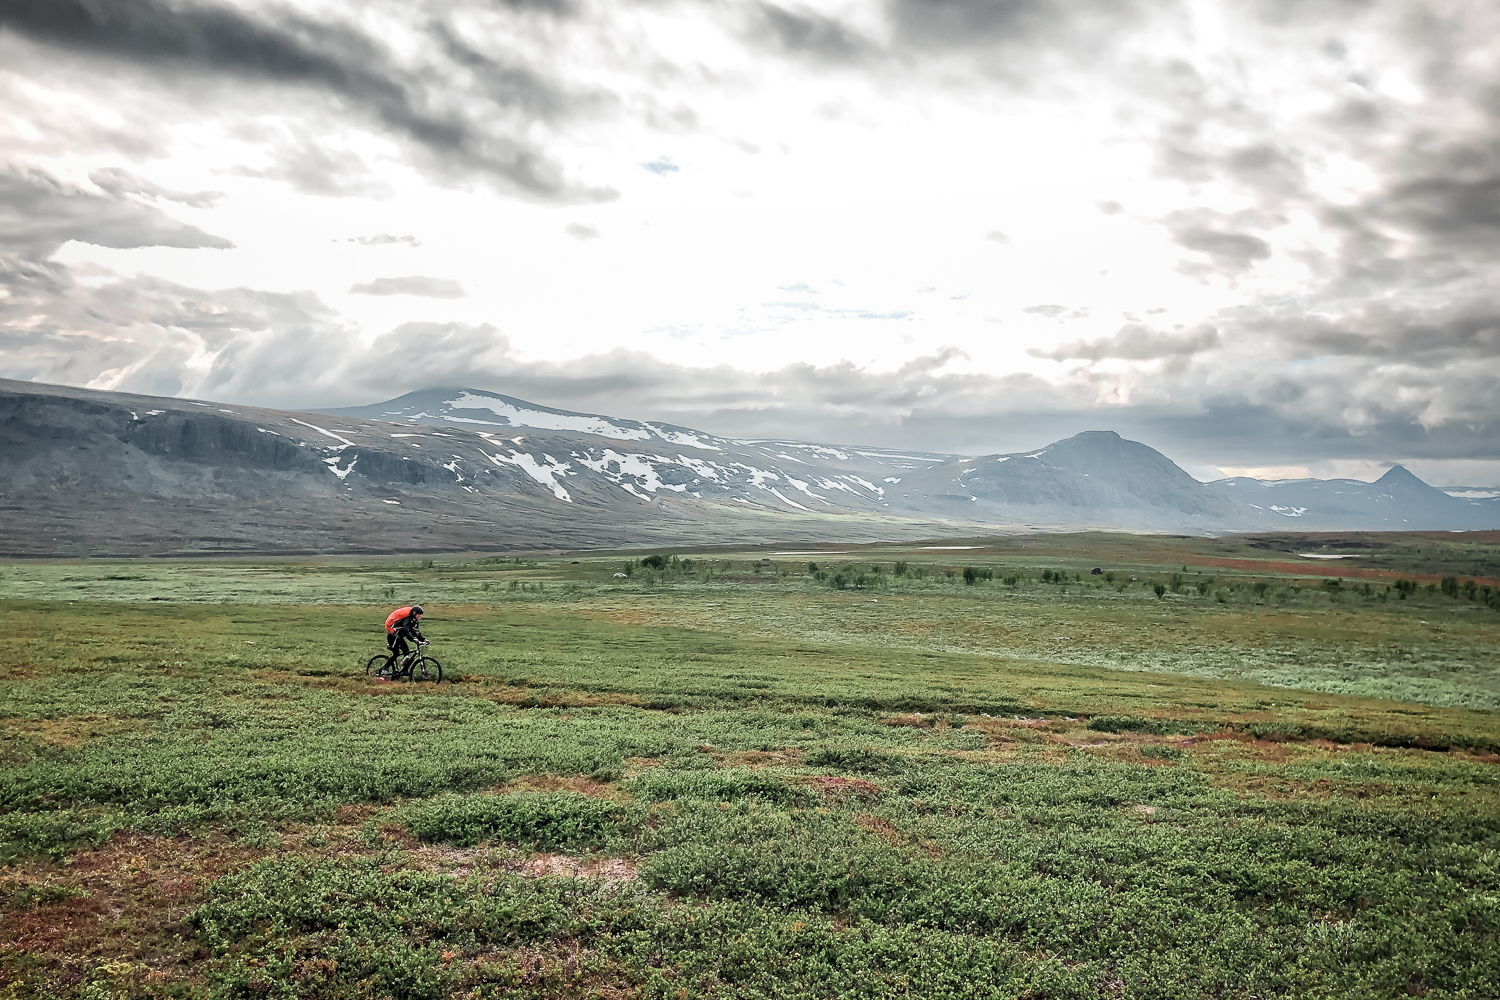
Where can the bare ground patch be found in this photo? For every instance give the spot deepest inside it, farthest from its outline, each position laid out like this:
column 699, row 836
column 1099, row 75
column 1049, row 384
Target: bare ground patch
column 582, row 784
column 462, row 862
column 891, row 834
column 121, row 906
column 756, row 759
column 845, row 788
column 72, row 730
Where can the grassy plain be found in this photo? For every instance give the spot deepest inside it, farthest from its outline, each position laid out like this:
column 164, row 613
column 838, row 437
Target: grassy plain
column 723, row 777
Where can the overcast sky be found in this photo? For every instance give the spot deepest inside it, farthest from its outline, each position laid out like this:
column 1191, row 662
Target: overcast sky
column 1255, row 235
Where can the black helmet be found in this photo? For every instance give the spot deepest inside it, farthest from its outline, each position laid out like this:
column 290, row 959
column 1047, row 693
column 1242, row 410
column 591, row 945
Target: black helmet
column 416, row 609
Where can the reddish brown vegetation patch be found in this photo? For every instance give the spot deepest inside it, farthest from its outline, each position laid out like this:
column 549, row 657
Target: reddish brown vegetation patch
column 914, row 719
column 132, row 896
column 1146, row 761
column 72, row 730
column 888, row 832
column 1311, row 569
column 1277, row 752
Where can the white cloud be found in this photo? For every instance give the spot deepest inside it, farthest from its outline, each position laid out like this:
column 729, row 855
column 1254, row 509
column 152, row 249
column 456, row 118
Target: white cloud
column 1233, row 227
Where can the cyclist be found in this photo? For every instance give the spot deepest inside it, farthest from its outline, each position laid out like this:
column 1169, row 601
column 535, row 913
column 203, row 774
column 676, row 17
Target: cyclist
column 401, row 625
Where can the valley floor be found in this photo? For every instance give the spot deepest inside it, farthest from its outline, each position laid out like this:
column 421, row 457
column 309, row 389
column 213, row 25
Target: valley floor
column 839, row 772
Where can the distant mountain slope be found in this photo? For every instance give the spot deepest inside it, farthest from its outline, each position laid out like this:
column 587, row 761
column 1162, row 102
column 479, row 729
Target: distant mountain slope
column 1397, row 501
column 1096, row 474
column 480, row 408
column 474, row 408
column 88, row 473
column 95, row 473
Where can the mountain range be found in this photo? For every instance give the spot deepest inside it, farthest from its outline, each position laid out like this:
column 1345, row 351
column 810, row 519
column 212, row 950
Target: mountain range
column 84, row 472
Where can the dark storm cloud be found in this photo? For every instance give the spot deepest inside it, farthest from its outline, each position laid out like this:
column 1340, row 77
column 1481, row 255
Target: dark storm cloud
column 1434, row 161
column 1016, row 33
column 38, row 214
column 969, row 22
column 512, row 84
column 556, row 8
column 1454, row 332
column 1229, row 251
column 808, row 33
column 1455, row 208
column 960, row 24
column 1234, row 430
column 432, row 288
column 224, row 41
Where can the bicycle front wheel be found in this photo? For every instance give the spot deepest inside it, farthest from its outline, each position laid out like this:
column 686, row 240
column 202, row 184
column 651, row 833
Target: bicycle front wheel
column 427, row 669
column 379, row 666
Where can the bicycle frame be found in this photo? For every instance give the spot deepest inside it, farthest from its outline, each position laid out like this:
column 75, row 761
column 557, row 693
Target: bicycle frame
column 385, row 665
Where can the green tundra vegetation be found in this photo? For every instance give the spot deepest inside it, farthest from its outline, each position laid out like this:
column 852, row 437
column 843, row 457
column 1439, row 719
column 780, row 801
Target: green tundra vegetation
column 977, row 769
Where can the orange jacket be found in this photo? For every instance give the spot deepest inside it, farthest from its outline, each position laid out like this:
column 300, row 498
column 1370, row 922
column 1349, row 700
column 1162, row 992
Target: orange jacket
column 396, row 616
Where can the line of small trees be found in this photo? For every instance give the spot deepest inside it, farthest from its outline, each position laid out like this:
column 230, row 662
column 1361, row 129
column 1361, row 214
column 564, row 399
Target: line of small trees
column 879, row 576
column 1469, row 589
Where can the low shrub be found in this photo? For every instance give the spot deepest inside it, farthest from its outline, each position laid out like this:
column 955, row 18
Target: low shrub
column 862, row 761
column 560, row 821
column 717, row 786
column 1126, row 724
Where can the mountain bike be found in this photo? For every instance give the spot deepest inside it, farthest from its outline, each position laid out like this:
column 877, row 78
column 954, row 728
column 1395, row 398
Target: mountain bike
column 413, row 666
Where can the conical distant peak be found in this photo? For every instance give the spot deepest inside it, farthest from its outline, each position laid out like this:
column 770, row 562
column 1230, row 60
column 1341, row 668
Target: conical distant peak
column 1397, row 475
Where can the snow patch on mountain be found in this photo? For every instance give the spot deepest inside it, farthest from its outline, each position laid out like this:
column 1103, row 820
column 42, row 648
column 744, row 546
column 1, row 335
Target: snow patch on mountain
column 777, row 493
column 510, row 414
column 544, row 474
column 333, row 466
column 801, row 485
column 327, row 433
column 686, row 439
column 635, row 467
column 706, row 469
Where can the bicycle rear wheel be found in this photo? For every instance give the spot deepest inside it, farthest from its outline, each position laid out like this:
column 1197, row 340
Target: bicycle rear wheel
column 379, row 666
column 427, row 669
